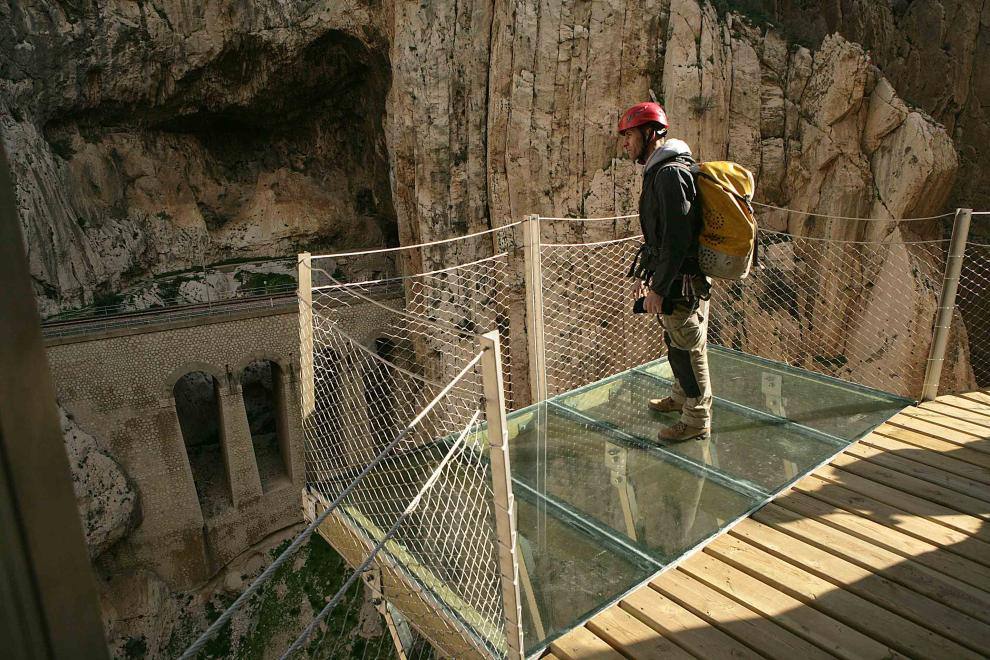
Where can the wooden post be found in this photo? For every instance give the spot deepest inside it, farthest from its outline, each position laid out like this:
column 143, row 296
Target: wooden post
column 306, row 375
column 946, row 303
column 505, row 521
column 373, row 579
column 534, row 308
column 48, row 594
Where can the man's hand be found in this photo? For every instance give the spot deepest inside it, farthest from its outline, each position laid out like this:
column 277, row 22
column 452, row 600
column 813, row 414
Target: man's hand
column 653, row 302
column 638, row 289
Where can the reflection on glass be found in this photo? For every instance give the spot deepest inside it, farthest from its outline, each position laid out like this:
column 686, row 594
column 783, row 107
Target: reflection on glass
column 602, row 505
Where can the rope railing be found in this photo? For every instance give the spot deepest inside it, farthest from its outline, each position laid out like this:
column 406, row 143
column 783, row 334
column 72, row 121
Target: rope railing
column 398, row 278
column 782, row 209
column 417, row 246
column 602, row 219
column 853, row 218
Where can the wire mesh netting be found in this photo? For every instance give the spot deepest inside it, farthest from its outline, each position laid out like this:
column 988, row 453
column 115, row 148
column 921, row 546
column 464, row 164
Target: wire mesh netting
column 967, row 360
column 588, row 326
column 396, row 359
column 427, row 322
column 857, row 310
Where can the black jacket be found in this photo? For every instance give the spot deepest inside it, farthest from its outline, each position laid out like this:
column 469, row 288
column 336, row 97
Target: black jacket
column 670, row 220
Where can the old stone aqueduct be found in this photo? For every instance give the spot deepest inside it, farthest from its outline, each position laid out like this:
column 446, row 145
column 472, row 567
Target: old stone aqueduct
column 129, row 381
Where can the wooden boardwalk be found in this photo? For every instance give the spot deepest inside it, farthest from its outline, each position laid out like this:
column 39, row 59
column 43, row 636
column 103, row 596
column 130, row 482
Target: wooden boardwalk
column 883, row 553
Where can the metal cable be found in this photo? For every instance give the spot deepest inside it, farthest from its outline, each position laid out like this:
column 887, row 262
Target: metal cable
column 846, row 217
column 416, row 245
column 298, row 643
column 224, row 618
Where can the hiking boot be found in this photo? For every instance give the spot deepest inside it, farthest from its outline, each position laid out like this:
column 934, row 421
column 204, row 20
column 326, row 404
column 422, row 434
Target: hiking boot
column 667, row 404
column 680, row 432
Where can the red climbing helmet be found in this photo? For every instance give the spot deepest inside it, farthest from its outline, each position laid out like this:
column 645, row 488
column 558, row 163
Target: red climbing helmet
column 643, row 113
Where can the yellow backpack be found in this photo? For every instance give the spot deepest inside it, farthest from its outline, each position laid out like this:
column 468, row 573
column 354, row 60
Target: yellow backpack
column 728, row 239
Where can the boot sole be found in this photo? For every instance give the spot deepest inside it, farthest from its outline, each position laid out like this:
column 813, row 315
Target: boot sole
column 704, row 434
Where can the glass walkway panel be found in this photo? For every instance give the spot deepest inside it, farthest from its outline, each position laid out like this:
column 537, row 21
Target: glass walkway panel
column 603, row 506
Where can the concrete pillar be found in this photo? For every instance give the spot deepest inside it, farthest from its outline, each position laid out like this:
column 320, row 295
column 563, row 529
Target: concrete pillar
column 235, row 434
column 291, row 433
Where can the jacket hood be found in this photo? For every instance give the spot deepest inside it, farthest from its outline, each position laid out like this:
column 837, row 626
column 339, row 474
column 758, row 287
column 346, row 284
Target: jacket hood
column 671, row 148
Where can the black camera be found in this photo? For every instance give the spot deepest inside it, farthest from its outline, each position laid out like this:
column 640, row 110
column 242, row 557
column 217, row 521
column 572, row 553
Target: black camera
column 639, row 307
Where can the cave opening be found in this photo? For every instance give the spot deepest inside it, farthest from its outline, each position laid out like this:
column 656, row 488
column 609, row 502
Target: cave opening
column 261, row 151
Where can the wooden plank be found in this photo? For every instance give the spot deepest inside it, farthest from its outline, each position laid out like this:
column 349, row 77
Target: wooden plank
column 937, row 618
column 632, row 638
column 933, row 425
column 947, row 464
column 968, row 525
column 853, row 610
column 972, row 405
column 878, row 559
column 734, row 619
column 945, row 537
column 856, row 460
column 682, row 627
column 949, row 434
column 924, row 441
column 582, row 644
column 978, row 422
column 952, row 483
column 833, row 636
column 910, row 547
column 977, row 397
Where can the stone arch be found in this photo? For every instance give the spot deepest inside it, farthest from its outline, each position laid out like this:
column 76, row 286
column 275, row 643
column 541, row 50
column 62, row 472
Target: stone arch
column 188, row 367
column 263, row 385
column 284, row 363
column 197, row 398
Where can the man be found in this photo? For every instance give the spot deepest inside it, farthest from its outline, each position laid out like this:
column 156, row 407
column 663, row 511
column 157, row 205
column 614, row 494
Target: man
column 667, row 265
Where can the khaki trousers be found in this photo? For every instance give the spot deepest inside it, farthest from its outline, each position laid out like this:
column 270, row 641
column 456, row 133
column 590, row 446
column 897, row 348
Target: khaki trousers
column 686, row 336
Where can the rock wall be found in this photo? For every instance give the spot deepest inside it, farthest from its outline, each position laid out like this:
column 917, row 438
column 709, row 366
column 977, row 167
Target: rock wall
column 154, row 136
column 934, row 52
column 108, row 502
column 179, row 135
column 825, row 131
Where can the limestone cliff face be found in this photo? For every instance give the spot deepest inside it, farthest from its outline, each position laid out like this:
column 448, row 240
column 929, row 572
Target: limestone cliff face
column 109, row 505
column 154, row 136
column 936, row 53
column 822, row 129
column 149, row 137
column 825, row 131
